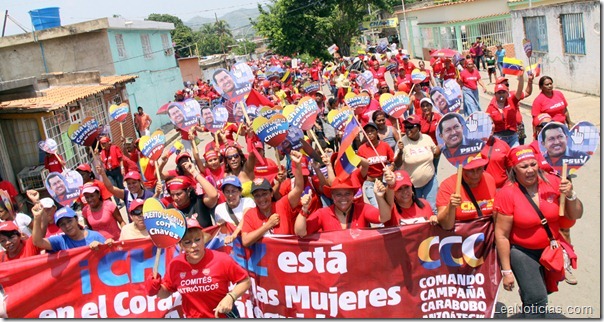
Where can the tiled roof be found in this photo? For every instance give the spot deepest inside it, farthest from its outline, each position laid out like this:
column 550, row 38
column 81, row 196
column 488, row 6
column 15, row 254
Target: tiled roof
column 60, row 96
column 434, row 6
column 464, row 20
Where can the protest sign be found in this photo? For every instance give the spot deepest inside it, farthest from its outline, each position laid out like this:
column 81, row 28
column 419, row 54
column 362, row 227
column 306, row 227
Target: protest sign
column 395, row 105
column 460, row 138
column 304, row 115
column 84, row 133
column 64, row 187
column 183, row 116
column 49, row 146
column 119, row 112
column 271, row 131
column 152, row 146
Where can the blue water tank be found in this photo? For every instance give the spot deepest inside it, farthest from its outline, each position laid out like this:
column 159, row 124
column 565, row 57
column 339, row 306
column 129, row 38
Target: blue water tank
column 45, row 18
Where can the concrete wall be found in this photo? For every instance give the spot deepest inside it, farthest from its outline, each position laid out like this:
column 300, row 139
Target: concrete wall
column 158, row 77
column 189, row 69
column 579, row 73
column 79, row 52
column 461, row 11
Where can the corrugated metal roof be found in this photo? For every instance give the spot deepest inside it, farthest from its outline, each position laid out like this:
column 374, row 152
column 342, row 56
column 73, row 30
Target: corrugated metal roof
column 435, row 6
column 464, row 20
column 60, row 96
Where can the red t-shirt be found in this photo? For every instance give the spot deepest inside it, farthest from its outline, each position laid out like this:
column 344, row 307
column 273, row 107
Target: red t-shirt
column 527, row 230
column 379, row 73
column 496, row 150
column 437, row 65
column 449, row 73
column 554, row 106
column 469, row 79
column 506, row 120
column 102, row 220
column 409, row 67
column 325, row 219
column 28, row 250
column 429, row 127
column 203, row 285
column 412, row 212
column 52, row 163
column 287, row 185
column 484, row 194
column 385, row 155
column 253, row 219
column 111, row 159
column 10, row 189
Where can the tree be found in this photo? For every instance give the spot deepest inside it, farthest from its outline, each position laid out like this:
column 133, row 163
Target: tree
column 182, row 36
column 213, row 37
column 244, row 47
column 311, row 26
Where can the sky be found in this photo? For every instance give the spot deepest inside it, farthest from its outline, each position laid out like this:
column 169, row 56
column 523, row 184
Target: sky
column 73, row 11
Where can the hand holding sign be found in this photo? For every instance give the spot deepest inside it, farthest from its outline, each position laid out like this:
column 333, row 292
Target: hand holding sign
column 166, row 227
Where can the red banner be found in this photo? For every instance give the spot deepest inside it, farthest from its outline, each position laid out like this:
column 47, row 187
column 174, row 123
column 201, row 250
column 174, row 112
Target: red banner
column 402, row 272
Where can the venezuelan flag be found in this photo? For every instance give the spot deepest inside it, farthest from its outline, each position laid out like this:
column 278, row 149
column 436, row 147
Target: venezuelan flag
column 346, row 163
column 287, row 78
column 512, row 66
column 351, row 130
column 535, row 69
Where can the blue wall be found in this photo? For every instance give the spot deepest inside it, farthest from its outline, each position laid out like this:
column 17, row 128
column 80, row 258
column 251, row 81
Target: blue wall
column 158, row 77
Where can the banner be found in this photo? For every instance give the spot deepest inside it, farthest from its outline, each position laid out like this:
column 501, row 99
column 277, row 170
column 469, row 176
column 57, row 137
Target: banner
column 416, row 271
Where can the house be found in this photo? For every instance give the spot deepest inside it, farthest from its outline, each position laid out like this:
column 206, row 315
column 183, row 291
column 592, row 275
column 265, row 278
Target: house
column 112, row 46
column 565, row 36
column 36, row 108
column 454, row 24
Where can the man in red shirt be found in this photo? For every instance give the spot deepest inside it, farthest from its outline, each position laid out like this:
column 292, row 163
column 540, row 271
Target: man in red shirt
column 269, row 217
column 111, row 157
column 142, row 122
column 54, row 163
column 448, row 71
column 407, row 65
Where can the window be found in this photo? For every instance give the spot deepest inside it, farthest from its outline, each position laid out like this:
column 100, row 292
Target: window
column 535, row 30
column 165, row 42
column 121, row 48
column 147, row 51
column 573, row 33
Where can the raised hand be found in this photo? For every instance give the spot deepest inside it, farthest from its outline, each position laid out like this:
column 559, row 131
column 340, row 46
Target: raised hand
column 379, row 189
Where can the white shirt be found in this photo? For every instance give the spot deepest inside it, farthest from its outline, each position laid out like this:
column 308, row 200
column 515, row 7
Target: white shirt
column 222, row 215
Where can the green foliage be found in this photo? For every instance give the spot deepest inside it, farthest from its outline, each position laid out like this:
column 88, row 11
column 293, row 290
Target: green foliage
column 182, row 36
column 310, row 26
column 244, row 47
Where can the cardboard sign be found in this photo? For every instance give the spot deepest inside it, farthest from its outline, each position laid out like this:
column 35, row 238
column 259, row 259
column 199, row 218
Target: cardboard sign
column 152, row 146
column 310, row 88
column 304, row 115
column 181, row 116
column 357, row 101
column 460, row 138
column 339, row 118
column 166, row 227
column 119, row 112
column 268, row 112
column 293, row 141
column 233, row 85
column 447, row 98
column 216, row 118
column 558, row 145
column 271, row 131
column 84, row 133
column 417, row 76
column 6, row 201
column 365, row 80
column 49, row 146
column 528, row 47
column 395, row 105
column 64, row 187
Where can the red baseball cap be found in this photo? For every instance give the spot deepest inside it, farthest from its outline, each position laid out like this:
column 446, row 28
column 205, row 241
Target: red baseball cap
column 132, row 175
column 182, row 155
column 210, row 154
column 135, row 204
column 501, row 87
column 90, row 187
column 411, row 119
column 104, row 139
column 476, row 161
column 8, row 226
column 84, row 167
column 501, row 80
column 402, row 178
column 179, row 183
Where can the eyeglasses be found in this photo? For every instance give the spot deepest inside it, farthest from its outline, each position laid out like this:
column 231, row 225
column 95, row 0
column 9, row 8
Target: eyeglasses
column 410, row 126
column 231, row 157
column 136, row 212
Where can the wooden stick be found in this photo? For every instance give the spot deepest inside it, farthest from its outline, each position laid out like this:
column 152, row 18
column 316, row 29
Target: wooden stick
column 562, row 196
column 156, row 265
column 411, row 90
column 278, row 159
column 369, row 141
column 459, row 177
column 238, row 130
column 157, row 174
column 122, row 129
column 314, row 136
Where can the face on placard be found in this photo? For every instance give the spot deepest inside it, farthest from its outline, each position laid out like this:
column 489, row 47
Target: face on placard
column 238, row 111
column 555, row 142
column 207, row 115
column 57, row 185
column 342, row 198
column 439, row 100
column 452, row 132
column 527, row 172
column 193, row 245
column 225, row 81
column 176, row 114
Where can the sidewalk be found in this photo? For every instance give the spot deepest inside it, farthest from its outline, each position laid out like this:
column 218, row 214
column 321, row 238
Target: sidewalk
column 582, row 107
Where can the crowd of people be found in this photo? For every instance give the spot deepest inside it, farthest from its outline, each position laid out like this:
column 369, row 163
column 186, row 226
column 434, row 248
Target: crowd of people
column 302, row 192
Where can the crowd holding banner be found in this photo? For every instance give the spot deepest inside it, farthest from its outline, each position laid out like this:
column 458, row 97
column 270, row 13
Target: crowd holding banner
column 354, row 169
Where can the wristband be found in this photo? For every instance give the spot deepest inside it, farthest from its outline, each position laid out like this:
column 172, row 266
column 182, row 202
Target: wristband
column 506, row 272
column 304, row 213
column 573, row 197
column 231, row 295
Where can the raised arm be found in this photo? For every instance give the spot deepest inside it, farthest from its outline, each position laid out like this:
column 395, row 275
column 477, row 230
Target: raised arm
column 294, row 195
column 38, row 233
column 117, row 192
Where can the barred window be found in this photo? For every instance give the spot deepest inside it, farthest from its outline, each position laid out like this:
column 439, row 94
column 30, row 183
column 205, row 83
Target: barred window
column 573, row 33
column 121, row 48
column 147, row 51
column 535, row 30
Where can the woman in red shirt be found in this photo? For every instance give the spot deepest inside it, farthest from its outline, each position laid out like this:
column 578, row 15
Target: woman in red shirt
column 520, row 235
column 101, row 215
column 429, row 123
column 451, row 206
column 504, row 111
column 15, row 247
column 378, row 158
column 469, row 78
column 407, row 208
column 344, row 213
column 551, row 102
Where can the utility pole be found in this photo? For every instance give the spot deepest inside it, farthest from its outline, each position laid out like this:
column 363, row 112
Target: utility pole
column 406, row 28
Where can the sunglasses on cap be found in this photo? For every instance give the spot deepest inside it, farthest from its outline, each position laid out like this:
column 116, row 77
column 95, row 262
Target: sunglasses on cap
column 136, row 212
column 410, row 126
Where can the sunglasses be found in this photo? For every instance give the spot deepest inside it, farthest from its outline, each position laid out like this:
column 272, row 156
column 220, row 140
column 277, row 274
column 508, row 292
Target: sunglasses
column 136, row 212
column 410, row 126
column 231, row 157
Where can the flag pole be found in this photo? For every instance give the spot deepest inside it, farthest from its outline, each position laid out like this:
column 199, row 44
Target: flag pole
column 369, row 141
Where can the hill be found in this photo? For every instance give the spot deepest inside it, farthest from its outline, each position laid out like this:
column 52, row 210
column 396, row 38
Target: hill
column 238, row 20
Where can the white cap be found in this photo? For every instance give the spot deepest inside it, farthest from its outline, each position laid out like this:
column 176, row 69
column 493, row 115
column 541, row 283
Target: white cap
column 47, row 203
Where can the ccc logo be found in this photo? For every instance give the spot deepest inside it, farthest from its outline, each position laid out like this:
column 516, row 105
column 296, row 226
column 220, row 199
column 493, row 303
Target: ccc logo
column 444, row 249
